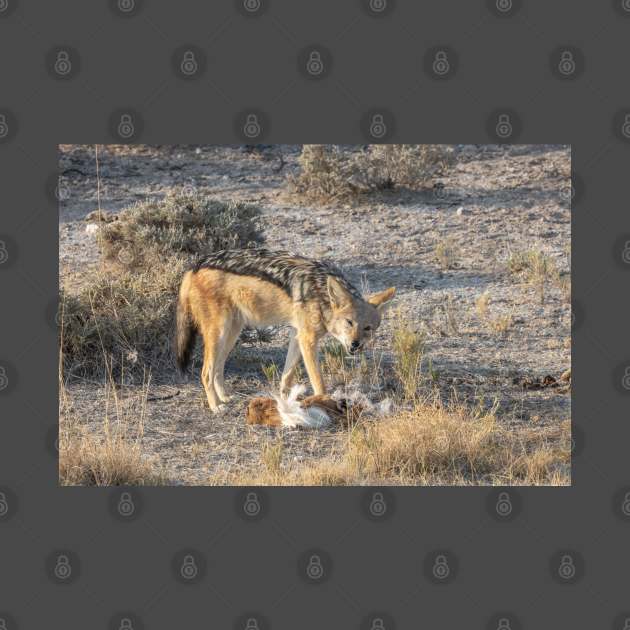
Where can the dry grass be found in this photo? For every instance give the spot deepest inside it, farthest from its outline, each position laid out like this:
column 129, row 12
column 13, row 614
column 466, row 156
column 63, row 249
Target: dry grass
column 499, row 324
column 408, row 347
column 332, row 173
column 482, row 304
column 111, row 456
column 121, row 317
column 427, row 445
column 536, row 268
column 120, row 321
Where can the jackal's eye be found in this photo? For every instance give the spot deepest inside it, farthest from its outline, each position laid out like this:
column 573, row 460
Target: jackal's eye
column 349, row 322
column 367, row 328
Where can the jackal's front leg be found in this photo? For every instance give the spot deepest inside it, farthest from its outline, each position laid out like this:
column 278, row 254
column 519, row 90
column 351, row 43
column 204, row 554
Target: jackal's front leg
column 308, row 347
column 293, row 356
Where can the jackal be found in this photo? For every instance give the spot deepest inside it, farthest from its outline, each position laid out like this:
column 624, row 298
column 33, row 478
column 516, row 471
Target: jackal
column 228, row 290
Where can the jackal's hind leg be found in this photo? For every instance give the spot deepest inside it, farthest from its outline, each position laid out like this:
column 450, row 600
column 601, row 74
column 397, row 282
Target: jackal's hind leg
column 210, row 350
column 232, row 331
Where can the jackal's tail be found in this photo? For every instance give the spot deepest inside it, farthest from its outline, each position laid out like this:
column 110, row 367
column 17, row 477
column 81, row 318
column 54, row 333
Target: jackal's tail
column 185, row 329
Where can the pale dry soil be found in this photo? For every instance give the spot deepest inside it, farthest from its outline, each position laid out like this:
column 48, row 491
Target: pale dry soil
column 497, row 200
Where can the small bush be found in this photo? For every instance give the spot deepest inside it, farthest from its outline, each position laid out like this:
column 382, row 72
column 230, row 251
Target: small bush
column 178, row 225
column 332, row 173
column 121, row 320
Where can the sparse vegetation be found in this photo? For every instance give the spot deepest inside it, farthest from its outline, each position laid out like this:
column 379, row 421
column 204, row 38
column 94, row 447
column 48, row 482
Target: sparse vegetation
column 536, row 267
column 482, row 303
column 112, row 456
column 333, row 173
column 446, row 253
column 499, row 324
column 270, row 370
column 408, row 349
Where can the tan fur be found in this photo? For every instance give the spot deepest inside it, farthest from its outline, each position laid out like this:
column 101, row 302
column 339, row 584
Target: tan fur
column 218, row 304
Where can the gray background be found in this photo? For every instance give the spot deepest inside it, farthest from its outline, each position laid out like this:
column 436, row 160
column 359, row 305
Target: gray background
column 251, row 61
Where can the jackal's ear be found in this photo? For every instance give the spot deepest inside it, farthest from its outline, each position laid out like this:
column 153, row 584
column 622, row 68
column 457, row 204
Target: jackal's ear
column 338, row 295
column 380, row 299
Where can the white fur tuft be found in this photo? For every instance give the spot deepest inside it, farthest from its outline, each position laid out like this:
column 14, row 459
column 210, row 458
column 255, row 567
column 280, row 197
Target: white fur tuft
column 294, row 415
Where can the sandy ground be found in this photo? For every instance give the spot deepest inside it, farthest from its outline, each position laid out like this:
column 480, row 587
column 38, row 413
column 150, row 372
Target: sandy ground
column 497, row 200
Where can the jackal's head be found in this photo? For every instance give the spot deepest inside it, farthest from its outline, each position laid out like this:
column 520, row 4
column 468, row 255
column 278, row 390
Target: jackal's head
column 355, row 320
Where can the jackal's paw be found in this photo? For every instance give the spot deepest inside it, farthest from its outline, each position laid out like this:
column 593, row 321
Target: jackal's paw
column 218, row 409
column 225, row 398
